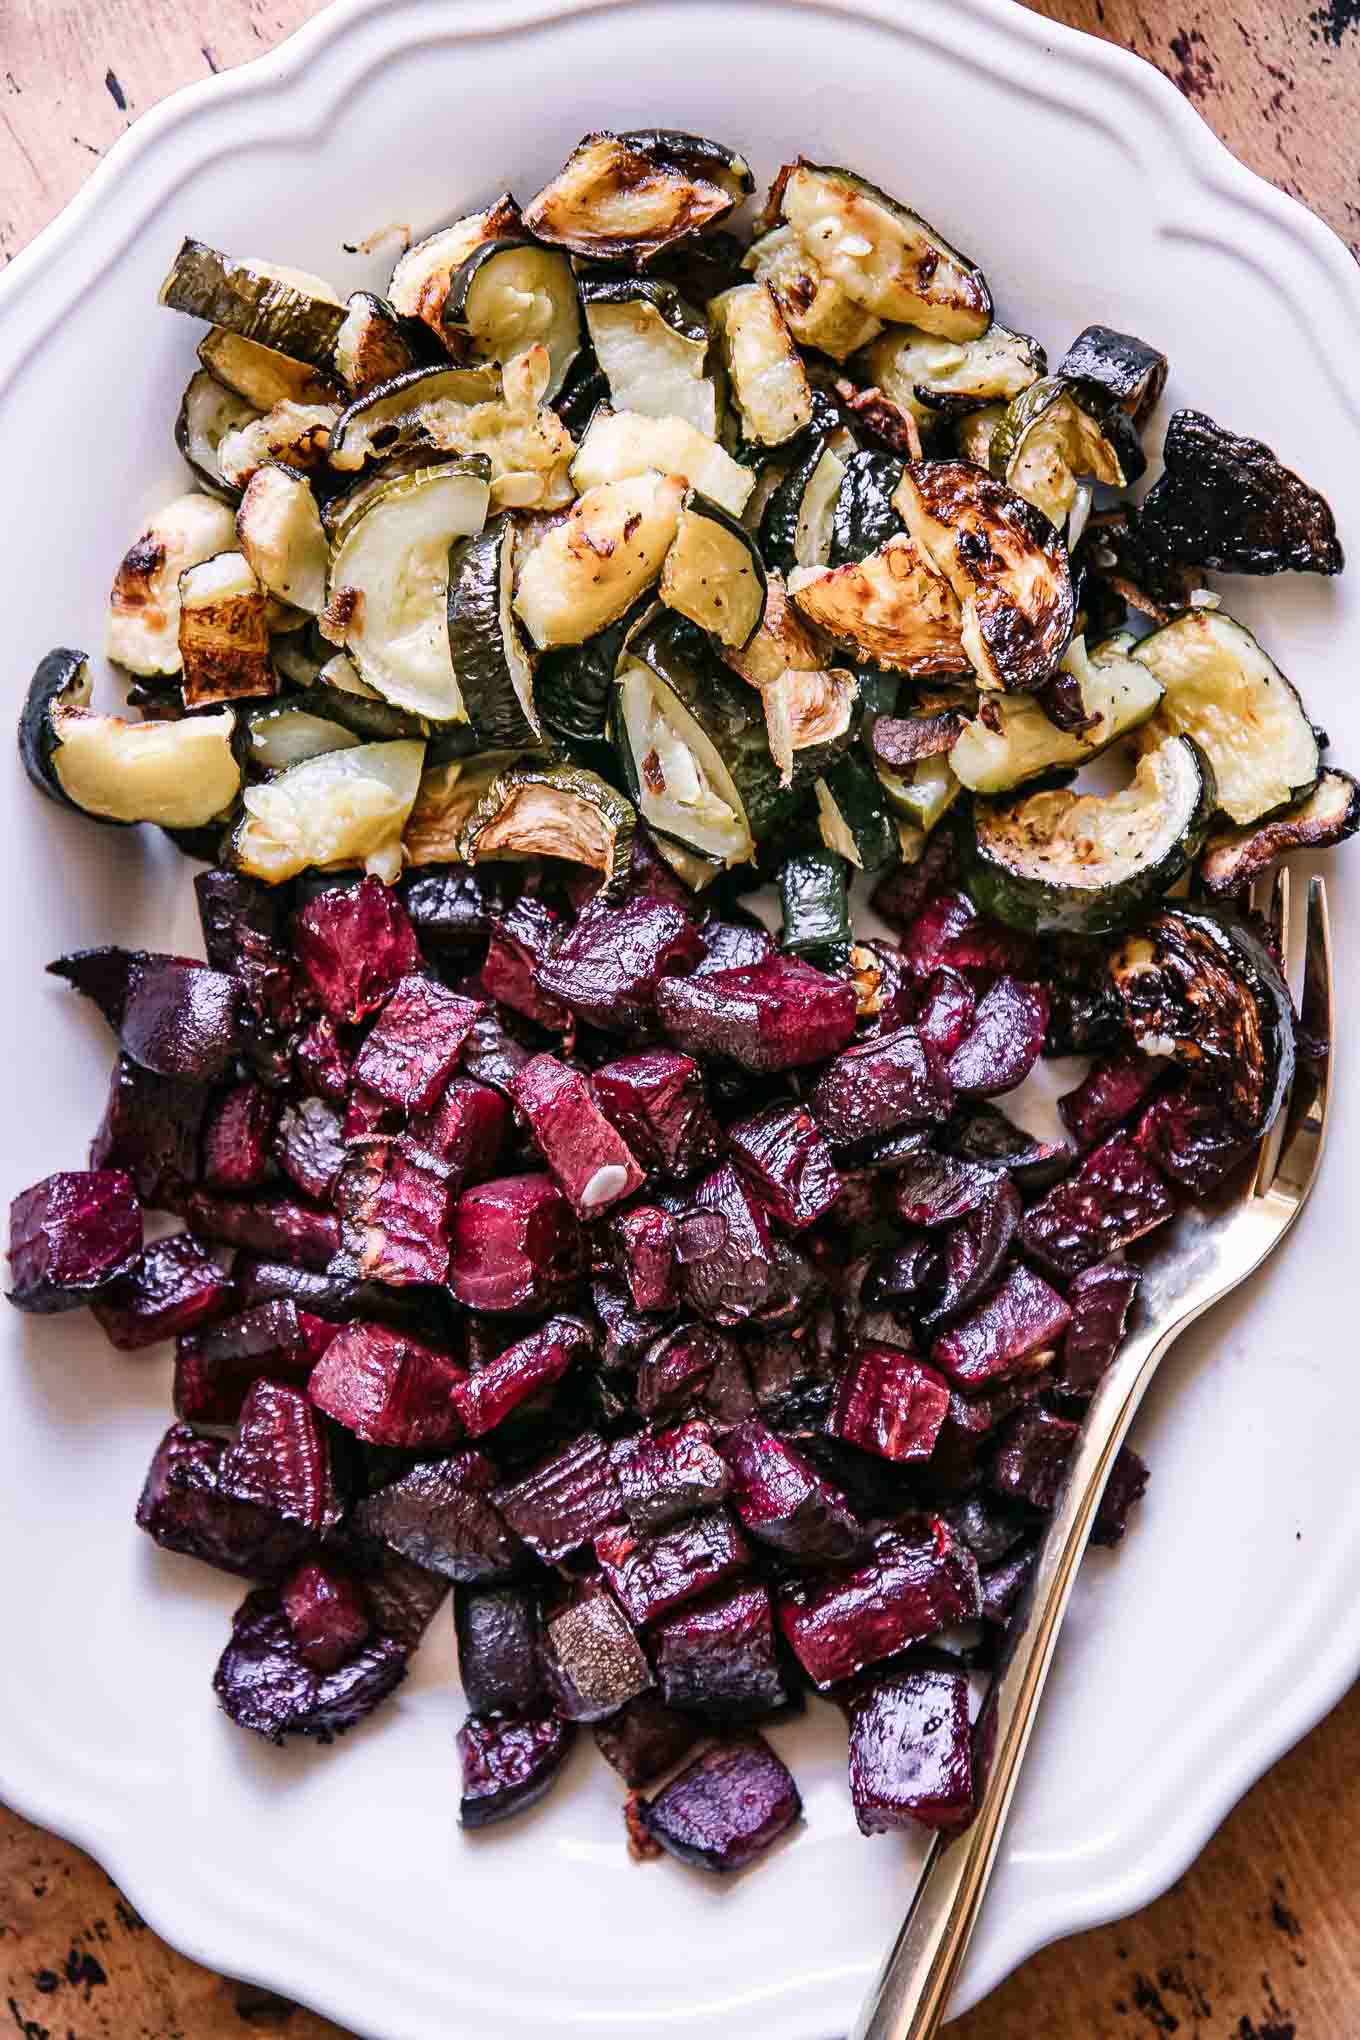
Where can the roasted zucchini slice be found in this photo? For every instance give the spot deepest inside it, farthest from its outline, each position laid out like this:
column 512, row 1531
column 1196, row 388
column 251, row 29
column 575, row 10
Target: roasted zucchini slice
column 262, row 375
column 864, row 517
column 339, row 695
column 884, row 256
column 574, row 684
column 695, row 156
column 207, row 413
column 471, row 412
column 935, row 378
column 1125, row 367
column 816, row 310
column 1005, row 563
column 345, row 807
column 293, row 435
column 419, row 287
column 1063, row 862
column 653, row 348
column 1011, row 740
column 421, row 409
column 768, row 382
column 494, row 669
column 798, row 521
column 280, row 532
column 1229, row 504
column 448, row 798
column 696, row 872
column 618, row 444
column 1225, row 691
column 974, row 433
column 551, row 810
column 629, row 196
column 285, row 309
column 585, row 571
column 810, row 717
column 144, row 599
column 892, row 608
column 389, row 581
column 1055, row 431
column 223, row 633
column 782, row 641
column 1329, row 814
column 814, row 907
column 713, row 572
column 853, row 816
column 509, row 295
column 277, row 737
column 375, row 344
column 922, row 792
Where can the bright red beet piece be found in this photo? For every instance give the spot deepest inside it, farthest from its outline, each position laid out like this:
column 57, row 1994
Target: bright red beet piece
column 784, row 1502
column 507, row 1765
column 645, row 1239
column 1113, row 1199
column 514, row 1245
column 593, row 1660
column 309, row 1146
column 565, row 1500
column 1003, row 1584
column 243, row 934
column 727, row 1808
column 588, row 1160
column 321, row 1064
column 1099, row 1300
column 441, row 1516
column 267, row 1225
column 889, row 1403
column 500, row 1657
column 368, row 1117
column 1004, row 1042
column 719, row 1657
column 651, row 1575
column 327, row 1613
column 1190, row 1140
column 1031, row 1464
column 215, row 1368
column 676, row 1368
column 611, row 966
column 644, row 1738
column 666, row 1474
column 172, row 1287
column 975, row 1250
column 532, row 1364
column 182, row 1509
column 732, row 945
column 150, row 1129
column 279, row 1459
column 783, row 1157
column 388, row 1389
column 1005, row 1335
column 352, row 944
column 394, row 1215
column 414, row 1044
column 71, row 1235
column 466, row 1131
column 1110, row 1093
column 948, row 1004
column 950, row 934
column 887, row 1082
column 657, row 1102
column 236, row 1138
column 265, row 1684
column 773, row 1015
column 920, row 1580
column 521, row 939
column 911, row 1753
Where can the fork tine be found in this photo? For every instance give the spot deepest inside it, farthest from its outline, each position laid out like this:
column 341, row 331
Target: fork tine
column 1274, row 910
column 1306, row 1113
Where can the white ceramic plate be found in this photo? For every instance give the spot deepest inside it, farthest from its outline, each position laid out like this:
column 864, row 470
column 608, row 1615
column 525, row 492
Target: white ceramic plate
column 1231, row 1619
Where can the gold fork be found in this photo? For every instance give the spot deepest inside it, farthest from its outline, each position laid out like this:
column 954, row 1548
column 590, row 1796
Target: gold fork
column 1204, row 1252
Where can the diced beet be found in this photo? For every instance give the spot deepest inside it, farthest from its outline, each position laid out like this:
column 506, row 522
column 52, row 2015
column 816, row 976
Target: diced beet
column 264, row 1683
column 403, row 1597
column 950, row 934
column 793, row 1373
column 182, row 1509
column 788, row 1164
column 719, row 1657
column 309, row 1146
column 564, row 1501
column 321, row 1064
column 784, row 1502
column 1002, row 1046
column 653, row 1574
column 521, row 939
column 1031, row 1464
column 645, row 1251
column 394, row 1215
column 279, row 1459
column 1113, row 1199
column 267, row 1225
column 493, row 1054
column 215, row 1368
column 465, row 1130
column 352, row 945
column 627, row 1332
column 1109, row 1094
column 644, row 1738
column 903, row 1280
column 70, row 1235
column 369, row 1117
column 919, row 1580
column 532, row 1364
column 588, row 1160
column 1123, row 1491
column 989, row 1527
column 1003, row 1584
column 728, row 1395
column 236, row 1138
column 591, row 1655
column 440, row 1515
column 775, row 1015
column 106, row 975
column 388, row 1389
column 243, row 934
column 1003, row 1336
column 739, row 1277
column 150, row 1129
column 887, row 1082
column 975, row 1250
column 904, row 888
column 937, row 1190
column 1099, row 1299
column 515, row 1245
column 676, row 1368
column 327, row 1612
column 666, row 1474
column 1190, row 1140
column 414, row 1044
column 508, row 1764
column 889, row 1403
column 727, row 1808
column 967, row 1431
column 883, row 1154
column 499, row 1648
column 657, row 1102
column 451, row 905
column 339, row 1297
column 732, row 945
column 182, row 1020
column 981, row 1133
column 172, row 1287
column 945, row 1014
column 911, row 1753
column 611, row 966
column 1085, row 1012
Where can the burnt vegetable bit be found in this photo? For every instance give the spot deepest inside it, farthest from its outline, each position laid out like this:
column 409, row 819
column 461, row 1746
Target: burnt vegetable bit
column 1227, row 503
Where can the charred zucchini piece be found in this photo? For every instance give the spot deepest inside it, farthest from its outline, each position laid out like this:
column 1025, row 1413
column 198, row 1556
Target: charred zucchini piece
column 768, row 382
column 565, row 811
column 495, row 672
column 590, row 568
column 620, row 196
column 694, row 156
column 262, row 375
column 1229, row 504
column 798, row 521
column 816, row 310
column 652, row 347
column 574, row 684
column 345, row 807
column 374, row 345
column 1329, row 814
column 280, row 737
column 207, row 413
column 618, row 444
column 509, row 295
column 223, row 633
column 922, row 792
column 782, row 641
column 279, row 529
column 695, row 871
column 713, row 572
column 892, row 609
column 339, row 695
column 296, row 435
column 1005, row 563
column 935, row 378
column 864, row 517
column 1083, row 863
column 144, row 600
column 814, row 907
column 885, row 257
column 810, row 717
column 448, row 798
column 1225, row 691
column 281, row 308
column 421, row 409
column 1011, row 740
column 1125, row 367
column 419, row 287
column 1055, row 431
column 853, row 816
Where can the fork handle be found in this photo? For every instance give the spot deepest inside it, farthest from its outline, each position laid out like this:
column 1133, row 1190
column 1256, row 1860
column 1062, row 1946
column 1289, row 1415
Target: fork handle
column 911, row 1995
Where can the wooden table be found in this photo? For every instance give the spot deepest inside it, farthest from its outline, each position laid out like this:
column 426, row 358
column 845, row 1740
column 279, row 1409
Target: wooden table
column 1259, row 1941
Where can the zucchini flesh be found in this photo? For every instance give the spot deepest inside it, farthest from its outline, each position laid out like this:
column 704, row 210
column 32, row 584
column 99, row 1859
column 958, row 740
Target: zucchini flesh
column 798, row 520
column 683, row 787
column 223, row 632
column 617, row 195
column 933, row 377
column 412, row 410
column 1014, row 741
column 261, row 375
column 284, row 309
column 852, row 815
column 814, row 905
column 341, row 696
column 371, row 347
column 973, row 434
column 207, row 413
column 885, row 257
column 509, row 295
column 1329, row 814
column 653, row 351
column 696, row 871
column 280, row 532
column 554, row 811
column 280, row 737
column 713, row 573
column 448, row 798
column 297, row 435
column 588, row 569
column 781, row 642
column 1053, row 432
column 769, row 384
column 467, row 412
column 809, row 719
column 618, row 444
column 816, row 310
column 920, row 793
column 346, row 807
column 495, row 672
column 143, row 630
column 419, row 286
column 891, row 608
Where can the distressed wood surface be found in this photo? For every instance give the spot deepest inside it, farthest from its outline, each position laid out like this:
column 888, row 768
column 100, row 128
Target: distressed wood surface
column 1258, row 1941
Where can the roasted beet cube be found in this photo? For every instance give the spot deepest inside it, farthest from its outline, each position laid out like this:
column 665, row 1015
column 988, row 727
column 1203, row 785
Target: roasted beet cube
column 451, row 905
column 727, row 1808
column 264, row 1683
column 499, row 1648
column 106, row 975
column 369, row 1117
column 236, row 1138
column 309, row 1146
column 783, row 1157
column 353, row 944
column 414, row 1044
column 514, row 1245
column 1190, row 1140
column 71, row 1235
column 644, row 1738
column 904, row 888
column 150, row 1129
column 652, row 1574
column 183, row 1021
column 720, row 1658
column 321, row 1064
column 645, row 1250
column 732, row 1274
column 657, row 1102
column 989, row 1527
column 626, row 1331
column 279, row 1459
column 403, row 1597
column 565, row 1500
column 388, row 1389
column 967, row 1431
column 327, row 1612
column 1113, row 1199
column 593, row 1660
column 666, row 1474
column 732, row 945
column 1003, row 1044
column 1099, row 1300
column 507, row 1765
column 937, row 1190
column 676, row 1368
column 215, row 1368
column 1003, row 1584
column 729, row 1395
column 975, row 1249
column 267, row 1225
column 887, row 1082
column 793, row 1374
column 394, row 1215
column 172, row 1287
column 889, row 1403
column 441, row 1516
column 1031, row 1465
column 982, row 1133
column 339, row 1296
column 949, row 934
column 911, row 1753
column 784, row 1502
column 919, row 1580
column 524, row 1370
column 493, row 1055
column 587, row 1157
column 1110, row 1093
column 610, row 968
column 1008, row 1334
column 521, row 939
column 243, row 934
column 465, row 1131
column 774, row 1015
column 945, row 1014
column 182, row 1509
column 900, row 1280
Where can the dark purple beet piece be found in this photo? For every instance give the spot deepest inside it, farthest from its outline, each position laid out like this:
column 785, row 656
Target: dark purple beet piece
column 150, row 1128
column 451, row 905
column 982, row 1133
column 267, row 1225
column 645, row 1251
column 644, row 1738
column 732, row 945
column 657, row 1102
column 677, row 1367
column 665, row 1474
column 989, row 1527
column 499, row 1648
column 309, row 1146
column 264, row 1683
column 508, row 1764
column 414, row 1044
column 394, row 1215
column 353, row 944
column 626, row 1331
column 911, row 1753
column 1110, row 1093
column 784, row 1501
column 1099, row 1300
column 920, row 1580
column 975, row 1249
column 182, row 1020
column 1002, row 1046
column 887, row 1082
column 889, row 1403
column 182, row 1509
column 466, row 1131
column 936, row 1189
column 388, row 1389
column 515, row 1244
column 773, row 1015
column 107, row 975
column 586, row 1156
column 1006, row 1335
column 564, row 1501
column 327, row 1612
column 902, row 1280
column 788, row 1164
column 338, row 1296
column 653, row 1574
column 1190, row 1140
column 949, row 934
column 216, row 1367
column 440, row 1516
column 1031, row 1462
column 172, row 1287
column 321, row 1064
column 728, row 1394
column 493, row 1054
column 243, row 934
column 591, row 1656
column 521, row 939
column 726, row 1808
column 71, row 1235
column 739, row 1277
column 534, row 1363
column 1003, row 1584
column 904, row 888
column 279, row 1459
column 1113, row 1199
column 945, row 1014
column 236, row 1138
column 610, row 967
column 967, row 1432
column 719, row 1657
column 403, row 1597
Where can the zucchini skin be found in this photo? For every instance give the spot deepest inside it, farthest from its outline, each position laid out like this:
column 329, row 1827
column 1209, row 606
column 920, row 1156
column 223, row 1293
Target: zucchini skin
column 574, row 684
column 815, row 906
column 209, row 285
column 1126, row 368
column 62, row 675
column 616, row 816
column 477, row 630
column 865, row 516
column 852, row 786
